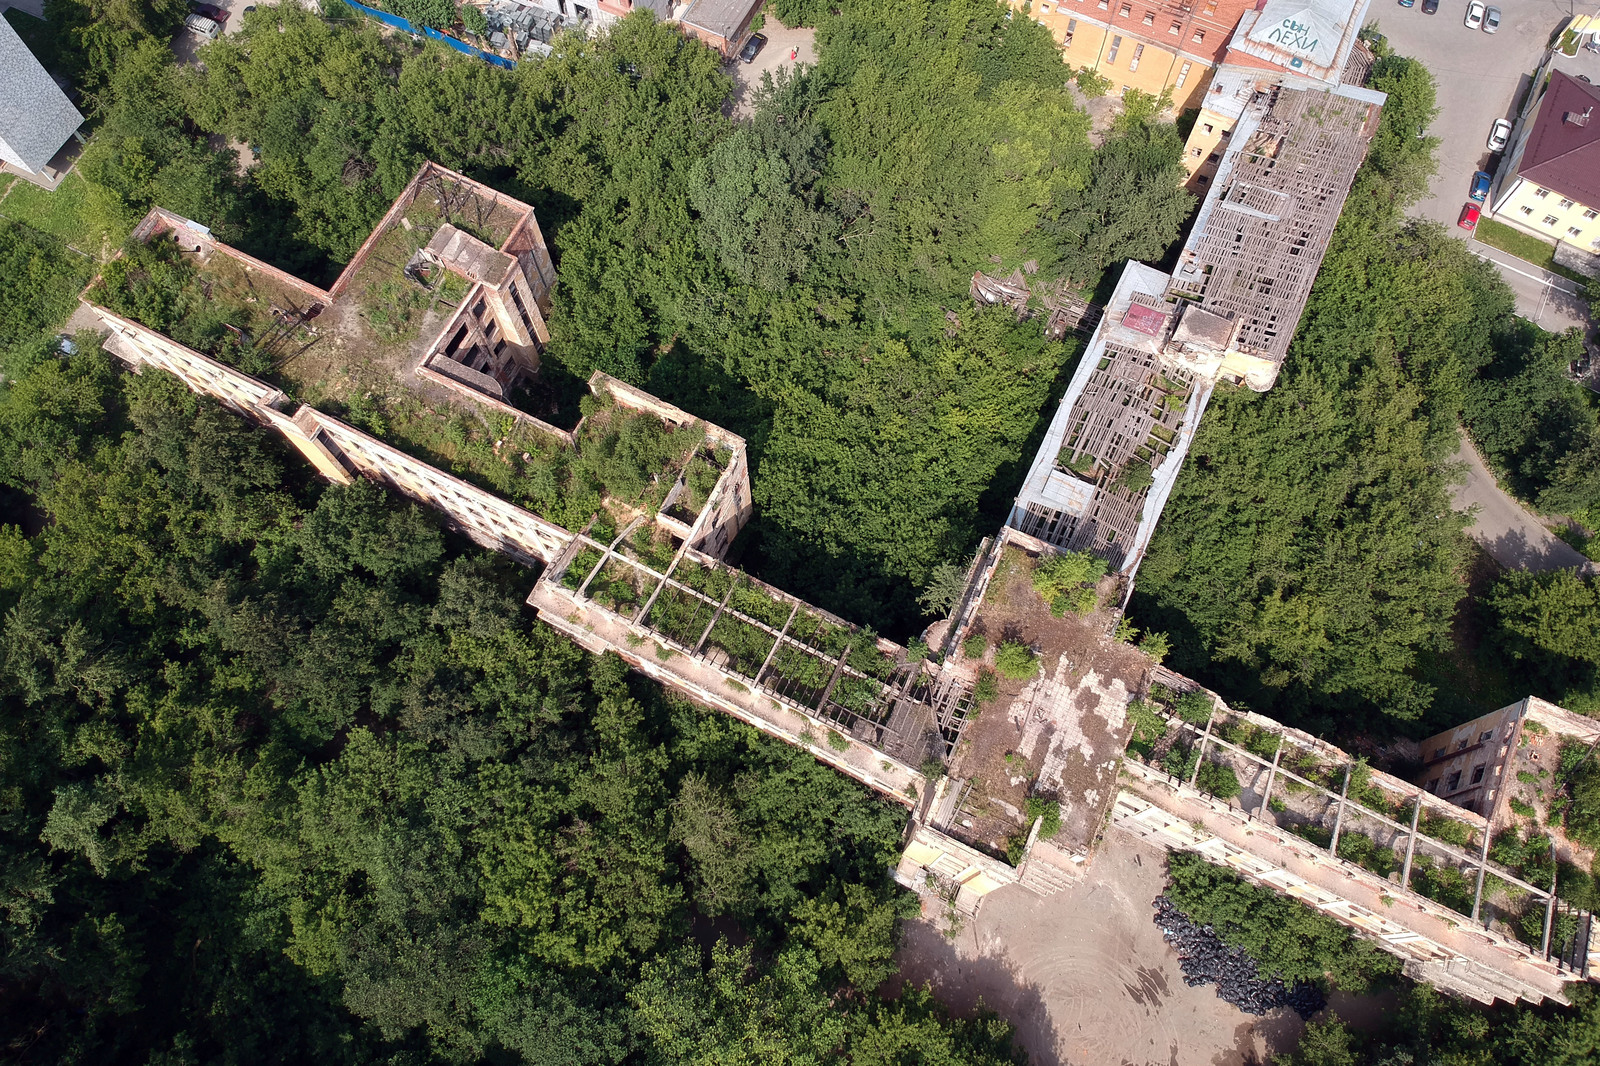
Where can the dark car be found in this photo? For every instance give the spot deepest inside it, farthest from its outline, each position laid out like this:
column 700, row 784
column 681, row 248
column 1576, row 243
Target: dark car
column 210, row 11
column 753, row 47
column 1469, row 216
column 1480, row 186
column 1429, row 7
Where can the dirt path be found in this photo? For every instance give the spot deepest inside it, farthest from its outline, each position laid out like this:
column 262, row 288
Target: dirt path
column 1087, row 980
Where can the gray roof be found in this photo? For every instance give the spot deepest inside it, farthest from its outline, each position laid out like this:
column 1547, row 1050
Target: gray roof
column 725, row 18
column 36, row 118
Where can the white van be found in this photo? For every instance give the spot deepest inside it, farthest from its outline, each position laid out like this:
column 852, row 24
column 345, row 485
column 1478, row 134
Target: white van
column 202, row 27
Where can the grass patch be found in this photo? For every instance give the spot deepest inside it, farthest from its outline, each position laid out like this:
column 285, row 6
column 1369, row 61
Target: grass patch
column 62, row 213
column 1524, row 246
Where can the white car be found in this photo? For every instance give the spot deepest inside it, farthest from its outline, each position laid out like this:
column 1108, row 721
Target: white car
column 202, row 27
column 1475, row 15
column 1499, row 135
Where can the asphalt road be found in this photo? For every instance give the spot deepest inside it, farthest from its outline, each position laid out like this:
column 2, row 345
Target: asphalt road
column 1545, row 299
column 1513, row 538
column 1480, row 76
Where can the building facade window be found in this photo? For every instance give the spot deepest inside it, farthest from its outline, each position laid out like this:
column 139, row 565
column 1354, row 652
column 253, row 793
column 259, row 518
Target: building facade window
column 1116, row 43
column 1138, row 53
column 1551, row 220
column 1149, row 18
column 1527, row 210
column 1541, row 193
column 1574, row 231
column 1072, row 27
column 1175, row 29
column 1565, row 203
column 1486, row 735
column 1199, row 36
column 1477, row 773
column 1591, row 214
column 1453, row 782
column 1126, row 10
column 1211, row 7
column 1183, row 74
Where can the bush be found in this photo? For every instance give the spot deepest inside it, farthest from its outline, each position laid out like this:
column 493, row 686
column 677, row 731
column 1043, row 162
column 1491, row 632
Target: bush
column 1049, row 810
column 987, row 690
column 1193, row 707
column 1286, row 939
column 1155, row 645
column 838, row 741
column 1016, row 661
column 1066, row 581
column 1219, row 780
column 974, row 646
column 1446, row 829
column 474, row 21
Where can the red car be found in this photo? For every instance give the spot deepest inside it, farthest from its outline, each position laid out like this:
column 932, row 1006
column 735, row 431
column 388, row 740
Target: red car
column 1469, row 216
column 210, row 11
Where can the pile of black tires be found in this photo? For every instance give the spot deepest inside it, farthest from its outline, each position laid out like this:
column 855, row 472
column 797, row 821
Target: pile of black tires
column 1206, row 960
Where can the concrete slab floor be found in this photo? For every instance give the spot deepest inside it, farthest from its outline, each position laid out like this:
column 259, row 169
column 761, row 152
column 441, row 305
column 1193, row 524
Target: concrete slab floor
column 1087, row 979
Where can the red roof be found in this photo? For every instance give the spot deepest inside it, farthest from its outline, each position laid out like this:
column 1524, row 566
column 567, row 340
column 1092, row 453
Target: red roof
column 1145, row 320
column 1563, row 152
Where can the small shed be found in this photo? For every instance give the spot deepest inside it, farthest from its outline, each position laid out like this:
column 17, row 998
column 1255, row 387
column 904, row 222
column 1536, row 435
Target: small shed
column 722, row 24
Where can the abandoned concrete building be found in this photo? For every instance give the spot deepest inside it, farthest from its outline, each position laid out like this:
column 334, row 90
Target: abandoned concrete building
column 1225, row 314
column 443, row 311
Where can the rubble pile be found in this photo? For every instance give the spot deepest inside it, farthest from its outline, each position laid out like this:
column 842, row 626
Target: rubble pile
column 1207, row 960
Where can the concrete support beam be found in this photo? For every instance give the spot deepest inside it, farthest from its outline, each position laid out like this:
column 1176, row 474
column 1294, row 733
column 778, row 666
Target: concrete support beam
column 1272, row 774
column 1411, row 843
column 1338, row 818
column 714, row 616
column 1205, row 738
column 762, row 673
column 1550, row 904
column 1483, row 868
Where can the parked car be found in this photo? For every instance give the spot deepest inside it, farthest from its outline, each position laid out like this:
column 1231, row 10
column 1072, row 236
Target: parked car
column 1408, row 3
column 210, row 11
column 753, row 47
column 1469, row 216
column 202, row 27
column 1474, row 18
column 1480, row 186
column 1430, row 6
column 1499, row 135
column 1491, row 20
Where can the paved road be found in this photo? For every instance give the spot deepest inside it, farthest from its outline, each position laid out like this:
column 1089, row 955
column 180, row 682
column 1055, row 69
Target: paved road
column 1513, row 538
column 1480, row 77
column 1545, row 299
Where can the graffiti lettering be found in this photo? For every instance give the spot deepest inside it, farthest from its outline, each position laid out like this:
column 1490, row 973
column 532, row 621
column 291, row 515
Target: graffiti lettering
column 1294, row 35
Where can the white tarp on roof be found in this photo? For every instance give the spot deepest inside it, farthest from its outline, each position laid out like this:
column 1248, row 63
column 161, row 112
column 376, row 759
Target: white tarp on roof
column 36, row 118
column 1308, row 29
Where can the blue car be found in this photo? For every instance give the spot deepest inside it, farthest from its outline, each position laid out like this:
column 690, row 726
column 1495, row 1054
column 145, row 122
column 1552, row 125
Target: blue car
column 1480, row 186
column 1407, row 3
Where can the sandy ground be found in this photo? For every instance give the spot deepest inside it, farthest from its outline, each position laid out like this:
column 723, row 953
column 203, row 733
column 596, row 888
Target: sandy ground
column 1087, row 980
column 781, row 41
column 1512, row 536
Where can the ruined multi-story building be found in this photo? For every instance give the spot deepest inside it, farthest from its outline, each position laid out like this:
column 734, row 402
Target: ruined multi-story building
column 447, row 303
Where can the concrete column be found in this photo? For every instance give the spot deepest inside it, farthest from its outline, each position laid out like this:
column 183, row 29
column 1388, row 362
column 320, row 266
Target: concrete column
column 1272, row 774
column 1550, row 904
column 1411, row 841
column 776, row 644
column 714, row 616
column 1483, row 859
column 1338, row 818
column 1205, row 738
